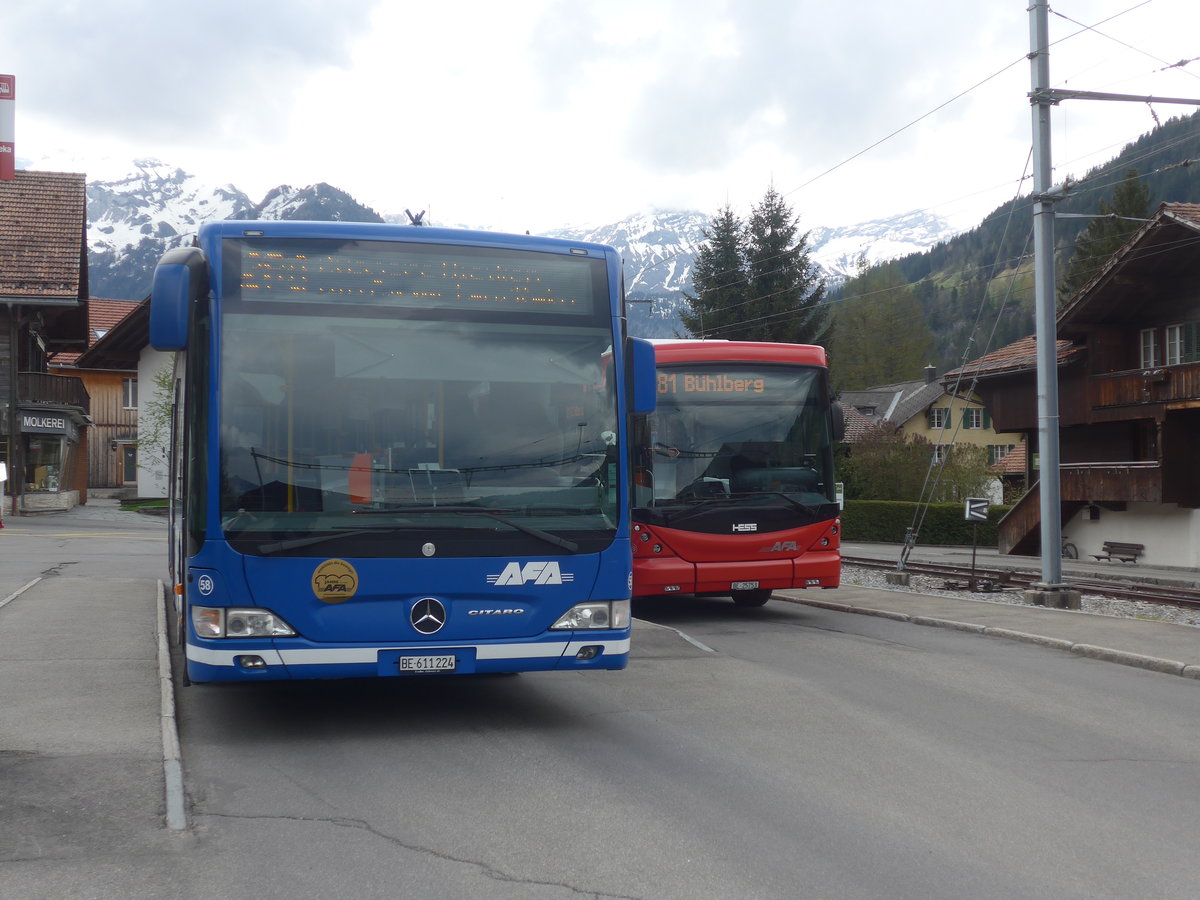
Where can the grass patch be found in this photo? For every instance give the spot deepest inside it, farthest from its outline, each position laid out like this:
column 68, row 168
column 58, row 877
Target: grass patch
column 135, row 505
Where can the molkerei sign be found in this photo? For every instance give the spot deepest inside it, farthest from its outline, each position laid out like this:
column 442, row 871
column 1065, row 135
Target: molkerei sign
column 47, row 423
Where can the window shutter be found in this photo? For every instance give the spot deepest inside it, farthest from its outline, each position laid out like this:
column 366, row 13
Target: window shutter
column 987, row 419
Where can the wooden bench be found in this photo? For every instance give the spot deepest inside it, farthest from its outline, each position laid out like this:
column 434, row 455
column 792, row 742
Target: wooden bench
column 1117, row 550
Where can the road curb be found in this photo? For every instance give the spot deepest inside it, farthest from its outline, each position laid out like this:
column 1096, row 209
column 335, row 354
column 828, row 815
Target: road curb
column 1091, row 651
column 172, row 756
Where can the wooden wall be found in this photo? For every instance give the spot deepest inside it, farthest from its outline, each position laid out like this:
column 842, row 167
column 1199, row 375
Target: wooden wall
column 112, row 423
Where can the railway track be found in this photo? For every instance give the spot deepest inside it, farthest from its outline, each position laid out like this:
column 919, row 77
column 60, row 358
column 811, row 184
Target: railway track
column 992, row 580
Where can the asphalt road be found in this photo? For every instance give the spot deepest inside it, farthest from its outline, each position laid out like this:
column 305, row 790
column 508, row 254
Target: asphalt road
column 806, row 754
column 782, row 752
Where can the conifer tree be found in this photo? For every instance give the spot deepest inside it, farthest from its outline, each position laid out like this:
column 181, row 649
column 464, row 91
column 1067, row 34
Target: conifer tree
column 718, row 278
column 785, row 287
column 1104, row 236
column 756, row 282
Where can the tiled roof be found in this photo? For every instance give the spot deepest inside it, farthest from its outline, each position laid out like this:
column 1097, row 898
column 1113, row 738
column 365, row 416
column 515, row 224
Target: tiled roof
column 1013, row 462
column 895, row 403
column 102, row 316
column 856, row 424
column 1019, row 356
column 917, row 401
column 121, row 347
column 42, row 235
column 1185, row 212
column 1163, row 249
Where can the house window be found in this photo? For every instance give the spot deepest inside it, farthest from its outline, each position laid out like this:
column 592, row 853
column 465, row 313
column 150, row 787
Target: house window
column 1149, row 357
column 937, row 416
column 129, row 393
column 973, row 418
column 1183, row 343
column 997, row 452
column 941, row 452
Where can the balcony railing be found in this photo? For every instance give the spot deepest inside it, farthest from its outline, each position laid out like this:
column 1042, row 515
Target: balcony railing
column 34, row 388
column 1159, row 385
column 1130, row 482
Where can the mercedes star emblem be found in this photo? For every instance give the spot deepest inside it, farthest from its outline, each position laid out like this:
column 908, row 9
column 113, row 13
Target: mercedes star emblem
column 428, row 615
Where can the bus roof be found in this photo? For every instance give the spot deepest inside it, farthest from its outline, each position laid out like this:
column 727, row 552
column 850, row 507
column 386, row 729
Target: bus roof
column 383, row 231
column 682, row 351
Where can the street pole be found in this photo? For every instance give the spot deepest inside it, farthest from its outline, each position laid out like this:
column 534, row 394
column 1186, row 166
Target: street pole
column 1051, row 591
column 1044, row 305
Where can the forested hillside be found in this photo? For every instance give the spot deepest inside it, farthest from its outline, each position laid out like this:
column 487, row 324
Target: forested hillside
column 991, row 264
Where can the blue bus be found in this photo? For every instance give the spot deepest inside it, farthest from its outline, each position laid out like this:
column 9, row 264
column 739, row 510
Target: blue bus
column 398, row 450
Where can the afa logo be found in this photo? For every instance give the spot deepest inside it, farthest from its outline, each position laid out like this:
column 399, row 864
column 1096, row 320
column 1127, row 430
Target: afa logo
column 546, row 572
column 781, row 547
column 334, row 580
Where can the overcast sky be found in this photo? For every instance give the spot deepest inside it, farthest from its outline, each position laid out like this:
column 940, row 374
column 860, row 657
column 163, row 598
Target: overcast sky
column 531, row 114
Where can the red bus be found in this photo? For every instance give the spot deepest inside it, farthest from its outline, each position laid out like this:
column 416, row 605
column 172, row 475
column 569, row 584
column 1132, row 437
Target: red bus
column 734, row 486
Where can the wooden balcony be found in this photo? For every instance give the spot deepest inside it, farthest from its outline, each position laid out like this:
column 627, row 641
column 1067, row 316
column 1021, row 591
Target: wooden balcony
column 1111, row 482
column 1080, row 484
column 34, row 388
column 1168, row 384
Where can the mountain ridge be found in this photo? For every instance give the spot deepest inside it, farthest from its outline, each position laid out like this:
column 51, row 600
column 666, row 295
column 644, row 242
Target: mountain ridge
column 134, row 218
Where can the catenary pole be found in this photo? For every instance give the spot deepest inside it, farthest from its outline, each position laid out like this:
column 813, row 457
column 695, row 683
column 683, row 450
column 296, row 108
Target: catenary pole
column 1051, row 590
column 1044, row 311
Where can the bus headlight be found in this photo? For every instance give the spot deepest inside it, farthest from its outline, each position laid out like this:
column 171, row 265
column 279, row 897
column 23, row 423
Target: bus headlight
column 238, row 622
column 596, row 614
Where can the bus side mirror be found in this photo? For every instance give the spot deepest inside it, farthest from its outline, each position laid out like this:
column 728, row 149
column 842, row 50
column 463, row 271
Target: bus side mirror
column 642, row 376
column 839, row 422
column 180, row 278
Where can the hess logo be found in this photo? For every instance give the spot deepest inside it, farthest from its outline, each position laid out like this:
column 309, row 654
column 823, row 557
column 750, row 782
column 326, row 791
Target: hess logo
column 546, row 572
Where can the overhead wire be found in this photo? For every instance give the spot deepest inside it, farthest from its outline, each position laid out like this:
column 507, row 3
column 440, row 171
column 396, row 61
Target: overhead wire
column 1006, row 208
column 1093, row 28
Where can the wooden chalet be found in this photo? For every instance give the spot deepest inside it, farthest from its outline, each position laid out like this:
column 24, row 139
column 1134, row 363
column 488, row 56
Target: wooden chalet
column 43, row 283
column 112, row 385
column 140, row 450
column 1128, row 355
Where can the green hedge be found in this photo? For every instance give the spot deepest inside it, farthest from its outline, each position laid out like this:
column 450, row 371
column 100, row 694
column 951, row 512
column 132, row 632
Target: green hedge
column 886, row 521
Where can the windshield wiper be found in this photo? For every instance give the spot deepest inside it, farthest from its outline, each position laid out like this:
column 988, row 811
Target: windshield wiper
column 566, row 544
column 691, row 507
column 810, row 508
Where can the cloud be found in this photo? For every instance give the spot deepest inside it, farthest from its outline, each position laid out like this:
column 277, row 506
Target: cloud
column 807, row 79
column 155, row 72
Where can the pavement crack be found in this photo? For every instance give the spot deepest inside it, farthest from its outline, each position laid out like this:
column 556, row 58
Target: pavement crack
column 57, row 570
column 488, row 870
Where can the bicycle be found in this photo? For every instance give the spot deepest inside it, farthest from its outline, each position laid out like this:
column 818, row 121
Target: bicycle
column 1069, row 550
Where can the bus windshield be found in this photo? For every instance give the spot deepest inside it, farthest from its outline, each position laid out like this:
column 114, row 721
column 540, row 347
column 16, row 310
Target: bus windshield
column 739, row 431
column 487, row 431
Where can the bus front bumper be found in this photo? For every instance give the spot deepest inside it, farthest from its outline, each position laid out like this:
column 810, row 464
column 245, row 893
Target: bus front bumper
column 257, row 660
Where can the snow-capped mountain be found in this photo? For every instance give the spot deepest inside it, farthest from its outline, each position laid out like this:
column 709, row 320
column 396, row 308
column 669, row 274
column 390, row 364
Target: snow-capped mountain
column 317, row 202
column 838, row 250
column 658, row 249
column 135, row 217
column 157, row 202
